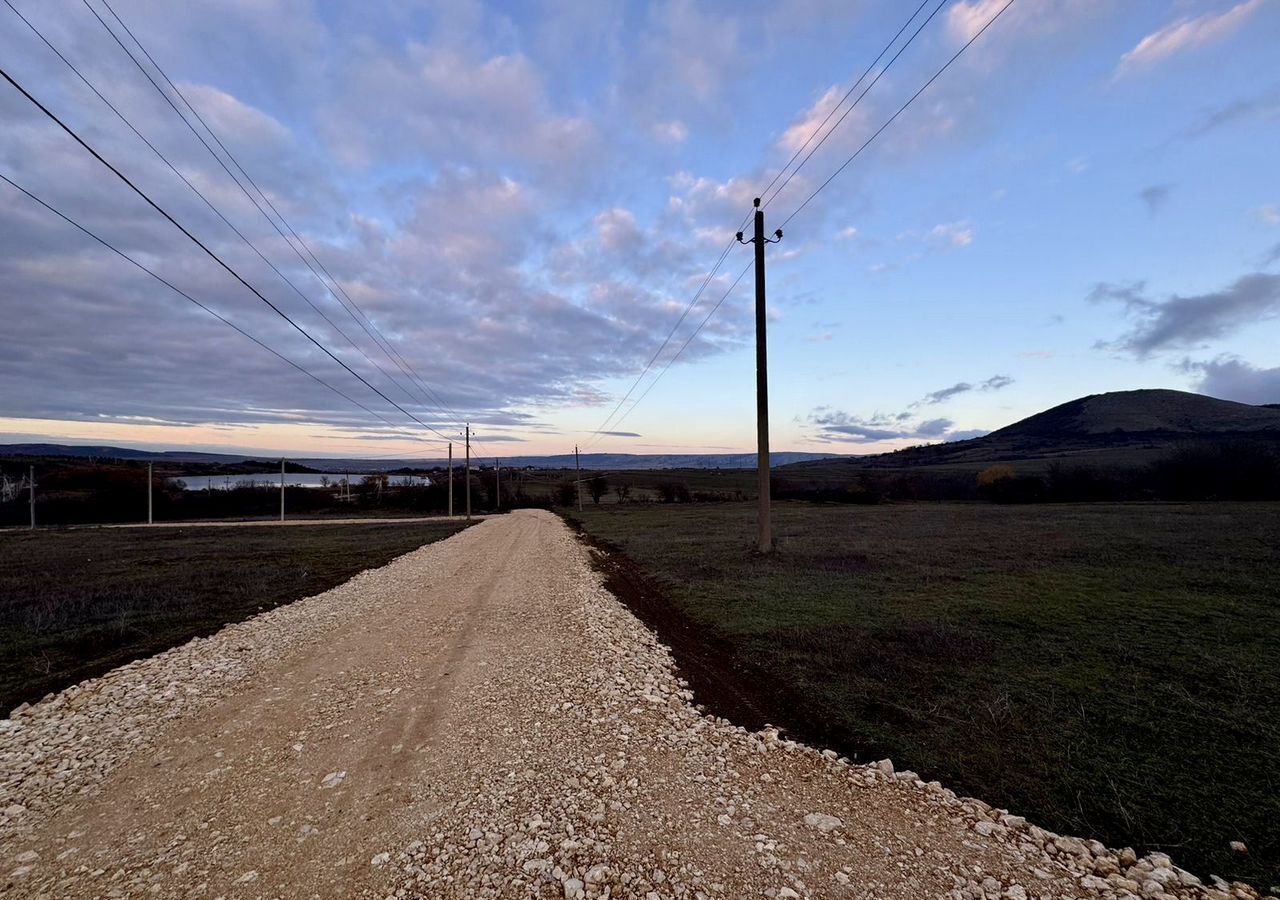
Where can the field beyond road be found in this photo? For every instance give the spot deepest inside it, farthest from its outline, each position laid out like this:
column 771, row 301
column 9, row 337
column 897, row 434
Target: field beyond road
column 1108, row 670
column 76, row 603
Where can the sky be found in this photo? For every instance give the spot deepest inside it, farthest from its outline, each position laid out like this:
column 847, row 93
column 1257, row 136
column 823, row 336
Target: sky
column 521, row 199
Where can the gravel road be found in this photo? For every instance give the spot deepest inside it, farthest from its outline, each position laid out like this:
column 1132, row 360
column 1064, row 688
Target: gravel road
column 480, row 718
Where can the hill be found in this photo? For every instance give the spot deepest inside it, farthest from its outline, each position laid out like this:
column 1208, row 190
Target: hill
column 1144, row 412
column 1117, row 430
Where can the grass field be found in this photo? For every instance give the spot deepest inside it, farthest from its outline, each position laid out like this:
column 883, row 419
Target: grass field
column 74, row 604
column 1110, row 670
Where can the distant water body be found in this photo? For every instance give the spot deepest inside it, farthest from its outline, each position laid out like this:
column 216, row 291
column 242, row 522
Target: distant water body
column 272, row 479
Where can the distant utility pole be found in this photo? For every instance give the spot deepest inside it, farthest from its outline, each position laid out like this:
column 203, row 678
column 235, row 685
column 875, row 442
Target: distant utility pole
column 497, row 484
column 468, row 485
column 149, row 482
column 764, row 527
column 451, row 479
column 282, row 489
column 577, row 465
column 31, row 494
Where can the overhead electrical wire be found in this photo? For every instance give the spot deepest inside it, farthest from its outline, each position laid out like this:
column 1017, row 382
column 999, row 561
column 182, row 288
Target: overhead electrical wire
column 195, row 240
column 203, row 197
column 610, row 420
column 903, row 108
column 847, row 94
column 711, row 312
column 221, row 318
column 431, row 397
column 819, row 189
column 389, row 348
column 915, row 34
column 689, row 308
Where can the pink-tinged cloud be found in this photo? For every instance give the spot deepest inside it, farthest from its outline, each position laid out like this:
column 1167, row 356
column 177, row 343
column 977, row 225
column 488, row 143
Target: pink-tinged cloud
column 1185, row 34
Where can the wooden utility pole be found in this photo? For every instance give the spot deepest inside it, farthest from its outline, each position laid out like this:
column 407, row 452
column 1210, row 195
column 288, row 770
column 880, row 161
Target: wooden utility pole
column 150, row 479
column 468, row 484
column 497, row 485
column 451, row 479
column 577, row 465
column 31, row 494
column 764, row 535
column 282, row 489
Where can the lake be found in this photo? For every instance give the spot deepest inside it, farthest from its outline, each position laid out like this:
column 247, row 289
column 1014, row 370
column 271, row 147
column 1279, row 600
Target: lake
column 291, row 479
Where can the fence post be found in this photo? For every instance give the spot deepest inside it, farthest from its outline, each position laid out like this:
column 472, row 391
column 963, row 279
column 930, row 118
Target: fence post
column 150, row 480
column 31, row 493
column 282, row 489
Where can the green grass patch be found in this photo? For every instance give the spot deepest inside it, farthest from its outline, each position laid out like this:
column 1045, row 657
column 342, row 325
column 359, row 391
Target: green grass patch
column 1109, row 670
column 77, row 603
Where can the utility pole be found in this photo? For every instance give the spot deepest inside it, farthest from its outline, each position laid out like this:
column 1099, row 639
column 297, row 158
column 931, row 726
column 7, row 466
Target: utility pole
column 764, row 527
column 577, row 465
column 31, row 494
column 282, row 489
column 497, row 485
column 149, row 482
column 451, row 479
column 468, row 485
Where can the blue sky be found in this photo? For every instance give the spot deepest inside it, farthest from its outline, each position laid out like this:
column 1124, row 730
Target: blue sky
column 523, row 197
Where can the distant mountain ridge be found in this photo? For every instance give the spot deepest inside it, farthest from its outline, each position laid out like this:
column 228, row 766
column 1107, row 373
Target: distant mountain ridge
column 595, row 461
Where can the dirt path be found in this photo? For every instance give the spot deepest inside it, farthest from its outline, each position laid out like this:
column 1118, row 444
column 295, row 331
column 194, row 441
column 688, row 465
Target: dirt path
column 478, row 718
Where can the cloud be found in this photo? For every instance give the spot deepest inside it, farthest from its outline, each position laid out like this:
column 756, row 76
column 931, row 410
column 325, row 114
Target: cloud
column 455, row 104
column 839, row 426
column 628, row 434
column 1183, row 321
column 1269, row 214
column 672, row 131
column 966, row 18
column 1264, row 107
column 1185, row 34
column 836, row 426
column 1155, row 197
column 955, row 234
column 847, row 234
column 945, row 394
column 1231, row 378
column 994, row 383
column 934, row 427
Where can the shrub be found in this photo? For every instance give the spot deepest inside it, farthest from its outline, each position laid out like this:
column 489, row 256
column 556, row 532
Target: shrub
column 673, row 492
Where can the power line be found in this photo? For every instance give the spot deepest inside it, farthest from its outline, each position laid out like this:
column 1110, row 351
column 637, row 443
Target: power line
column 116, row 250
column 915, row 34
column 431, row 399
column 394, row 355
column 96, row 155
column 686, row 343
column 595, row 435
column 689, row 308
column 202, row 196
column 900, row 111
column 877, row 133
column 824, row 122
